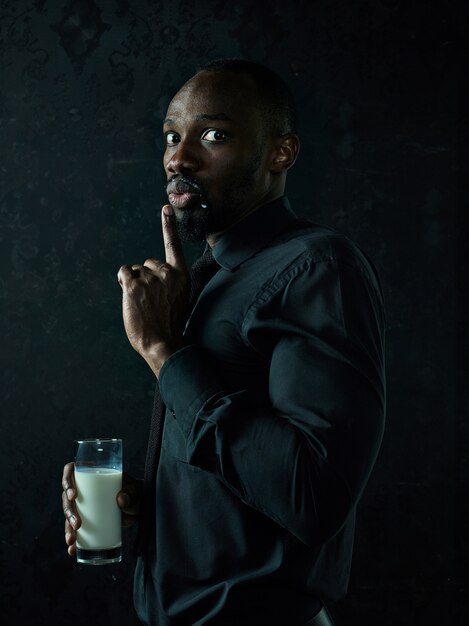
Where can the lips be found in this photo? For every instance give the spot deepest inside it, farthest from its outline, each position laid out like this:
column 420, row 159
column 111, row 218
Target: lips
column 182, row 200
column 182, row 193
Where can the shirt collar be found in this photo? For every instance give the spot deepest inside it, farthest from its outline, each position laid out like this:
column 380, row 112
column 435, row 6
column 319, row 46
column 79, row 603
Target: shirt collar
column 253, row 233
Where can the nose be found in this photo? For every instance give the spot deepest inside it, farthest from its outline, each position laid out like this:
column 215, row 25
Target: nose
column 183, row 158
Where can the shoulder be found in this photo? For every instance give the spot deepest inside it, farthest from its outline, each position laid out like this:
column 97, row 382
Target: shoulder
column 304, row 244
column 306, row 239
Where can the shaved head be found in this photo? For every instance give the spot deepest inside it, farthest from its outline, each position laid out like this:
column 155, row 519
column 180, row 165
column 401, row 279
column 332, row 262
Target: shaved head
column 274, row 96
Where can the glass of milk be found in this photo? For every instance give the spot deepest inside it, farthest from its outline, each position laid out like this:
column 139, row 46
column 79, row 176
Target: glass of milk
column 98, row 479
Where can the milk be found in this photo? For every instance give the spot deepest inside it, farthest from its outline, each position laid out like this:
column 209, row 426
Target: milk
column 96, row 503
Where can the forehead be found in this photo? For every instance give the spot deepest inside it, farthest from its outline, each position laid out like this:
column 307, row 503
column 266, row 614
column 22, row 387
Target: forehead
column 217, row 93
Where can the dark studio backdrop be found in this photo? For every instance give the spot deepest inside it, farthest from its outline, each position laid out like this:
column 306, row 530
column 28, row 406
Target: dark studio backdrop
column 84, row 86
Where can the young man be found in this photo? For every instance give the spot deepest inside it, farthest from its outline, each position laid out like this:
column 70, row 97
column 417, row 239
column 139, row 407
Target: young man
column 272, row 375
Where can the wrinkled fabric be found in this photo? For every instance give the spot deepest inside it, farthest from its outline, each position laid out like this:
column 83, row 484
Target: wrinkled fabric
column 275, row 414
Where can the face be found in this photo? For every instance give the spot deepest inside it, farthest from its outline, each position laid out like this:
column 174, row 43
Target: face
column 217, row 155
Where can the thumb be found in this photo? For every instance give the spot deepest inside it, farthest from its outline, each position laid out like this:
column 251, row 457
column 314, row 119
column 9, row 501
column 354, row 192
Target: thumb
column 126, row 503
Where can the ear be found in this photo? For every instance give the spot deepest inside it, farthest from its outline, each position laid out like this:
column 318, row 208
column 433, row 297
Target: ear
column 285, row 151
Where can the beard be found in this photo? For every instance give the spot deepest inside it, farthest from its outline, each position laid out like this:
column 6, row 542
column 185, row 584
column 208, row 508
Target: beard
column 192, row 224
column 195, row 223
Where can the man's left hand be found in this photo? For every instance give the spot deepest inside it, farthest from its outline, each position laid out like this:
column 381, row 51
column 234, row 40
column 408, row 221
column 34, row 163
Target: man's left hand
column 155, row 299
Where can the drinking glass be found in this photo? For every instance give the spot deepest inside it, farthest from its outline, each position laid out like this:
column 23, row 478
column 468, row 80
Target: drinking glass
column 98, row 479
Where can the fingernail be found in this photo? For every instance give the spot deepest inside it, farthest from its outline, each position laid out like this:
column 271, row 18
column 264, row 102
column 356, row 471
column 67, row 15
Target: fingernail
column 168, row 209
column 67, row 537
column 70, row 493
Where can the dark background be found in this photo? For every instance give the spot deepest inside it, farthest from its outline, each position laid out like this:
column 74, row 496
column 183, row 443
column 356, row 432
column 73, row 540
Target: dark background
column 84, row 86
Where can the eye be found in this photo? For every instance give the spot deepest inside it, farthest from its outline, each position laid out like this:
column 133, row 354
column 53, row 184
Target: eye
column 172, row 138
column 214, row 135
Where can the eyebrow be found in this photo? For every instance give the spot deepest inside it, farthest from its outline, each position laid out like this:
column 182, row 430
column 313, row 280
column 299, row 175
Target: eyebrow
column 204, row 118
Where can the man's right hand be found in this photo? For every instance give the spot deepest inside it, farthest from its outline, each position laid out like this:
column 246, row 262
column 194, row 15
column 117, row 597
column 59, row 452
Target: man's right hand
column 128, row 501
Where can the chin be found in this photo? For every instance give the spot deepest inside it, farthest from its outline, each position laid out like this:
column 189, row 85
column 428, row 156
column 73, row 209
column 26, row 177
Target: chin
column 192, row 224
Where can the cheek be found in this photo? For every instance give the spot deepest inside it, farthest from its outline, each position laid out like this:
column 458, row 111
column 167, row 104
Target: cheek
column 166, row 160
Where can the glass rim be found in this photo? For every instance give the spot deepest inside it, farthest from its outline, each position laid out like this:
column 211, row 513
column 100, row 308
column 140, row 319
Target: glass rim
column 98, row 439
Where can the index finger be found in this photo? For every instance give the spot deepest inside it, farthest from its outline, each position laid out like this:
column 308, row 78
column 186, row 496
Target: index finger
column 68, row 480
column 172, row 243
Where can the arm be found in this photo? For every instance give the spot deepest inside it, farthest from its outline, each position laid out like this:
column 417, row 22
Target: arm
column 301, row 456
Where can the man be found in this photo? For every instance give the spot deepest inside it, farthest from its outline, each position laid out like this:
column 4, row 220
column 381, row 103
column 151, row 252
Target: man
column 273, row 376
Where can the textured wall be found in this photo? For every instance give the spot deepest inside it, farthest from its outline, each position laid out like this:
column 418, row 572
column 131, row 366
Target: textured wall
column 83, row 87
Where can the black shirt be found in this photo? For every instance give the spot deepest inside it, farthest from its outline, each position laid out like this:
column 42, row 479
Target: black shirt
column 274, row 420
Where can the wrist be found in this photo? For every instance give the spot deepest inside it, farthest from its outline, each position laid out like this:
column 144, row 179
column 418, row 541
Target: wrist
column 157, row 356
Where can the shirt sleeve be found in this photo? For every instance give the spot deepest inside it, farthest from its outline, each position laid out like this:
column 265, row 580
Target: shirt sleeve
column 303, row 454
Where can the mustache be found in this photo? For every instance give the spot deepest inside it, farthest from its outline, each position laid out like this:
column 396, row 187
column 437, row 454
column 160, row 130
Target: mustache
column 181, row 183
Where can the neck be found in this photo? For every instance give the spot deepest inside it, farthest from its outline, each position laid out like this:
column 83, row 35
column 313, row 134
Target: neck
column 214, row 237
